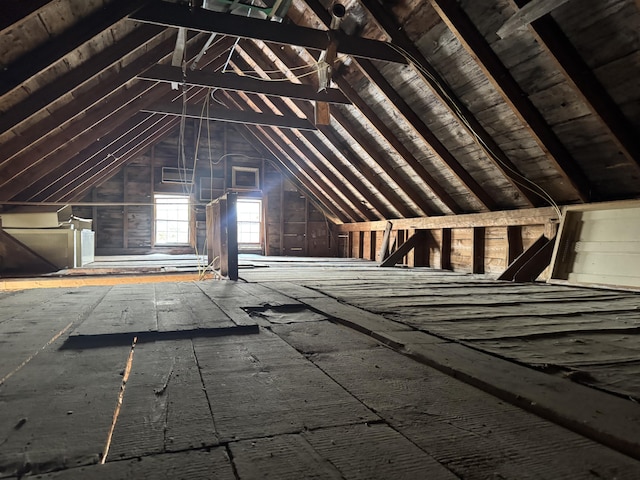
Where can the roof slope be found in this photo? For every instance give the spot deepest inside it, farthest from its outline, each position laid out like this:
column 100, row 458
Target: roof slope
column 460, row 121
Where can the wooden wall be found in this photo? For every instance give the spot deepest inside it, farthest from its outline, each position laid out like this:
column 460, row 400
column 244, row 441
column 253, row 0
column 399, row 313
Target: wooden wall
column 475, row 243
column 293, row 226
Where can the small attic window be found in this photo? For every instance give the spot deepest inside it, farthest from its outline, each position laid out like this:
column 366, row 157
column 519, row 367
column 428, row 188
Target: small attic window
column 171, row 219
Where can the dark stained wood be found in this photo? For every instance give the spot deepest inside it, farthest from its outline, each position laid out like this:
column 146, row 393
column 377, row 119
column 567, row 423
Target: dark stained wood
column 478, row 250
column 15, row 10
column 37, row 60
column 65, row 83
column 570, row 62
column 457, row 20
column 162, row 13
column 429, row 137
column 233, row 116
column 399, row 147
column 234, row 82
column 385, row 18
column 514, row 242
column 445, row 249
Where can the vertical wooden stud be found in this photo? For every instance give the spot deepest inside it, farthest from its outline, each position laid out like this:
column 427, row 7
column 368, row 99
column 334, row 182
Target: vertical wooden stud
column 445, row 249
column 478, row 250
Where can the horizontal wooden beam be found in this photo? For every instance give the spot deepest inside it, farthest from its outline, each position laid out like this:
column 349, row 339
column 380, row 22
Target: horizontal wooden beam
column 242, row 83
column 232, row 116
column 174, row 15
column 527, row 216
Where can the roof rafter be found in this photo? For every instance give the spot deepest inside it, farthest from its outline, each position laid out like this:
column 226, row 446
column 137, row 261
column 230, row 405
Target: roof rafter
column 291, row 140
column 386, row 19
column 439, row 150
column 54, row 49
column 109, row 90
column 568, row 60
column 258, row 141
column 67, row 82
column 472, row 40
column 329, row 133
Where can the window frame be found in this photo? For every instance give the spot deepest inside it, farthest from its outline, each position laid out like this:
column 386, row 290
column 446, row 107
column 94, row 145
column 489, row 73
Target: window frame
column 183, row 200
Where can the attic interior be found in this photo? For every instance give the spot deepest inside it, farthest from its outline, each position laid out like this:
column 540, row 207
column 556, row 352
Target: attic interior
column 308, row 239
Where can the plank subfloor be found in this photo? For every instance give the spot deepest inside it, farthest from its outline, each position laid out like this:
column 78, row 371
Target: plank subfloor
column 305, row 397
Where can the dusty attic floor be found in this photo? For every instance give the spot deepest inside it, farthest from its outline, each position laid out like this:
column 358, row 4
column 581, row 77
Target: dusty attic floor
column 264, row 380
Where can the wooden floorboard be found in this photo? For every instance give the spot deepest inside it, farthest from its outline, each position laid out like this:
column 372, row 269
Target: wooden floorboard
column 307, row 397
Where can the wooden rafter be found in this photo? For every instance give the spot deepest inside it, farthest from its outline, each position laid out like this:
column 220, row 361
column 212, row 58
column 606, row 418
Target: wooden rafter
column 23, row 171
column 231, row 81
column 386, row 19
column 99, row 176
column 107, row 91
column 283, row 143
column 390, row 194
column 288, row 163
column 73, row 169
column 254, row 139
column 54, row 49
column 174, row 15
column 65, row 83
column 332, row 182
column 440, row 151
column 595, row 96
column 334, row 139
column 398, row 146
column 461, row 25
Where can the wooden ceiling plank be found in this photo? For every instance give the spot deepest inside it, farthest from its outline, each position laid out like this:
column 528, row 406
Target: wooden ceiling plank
column 330, row 135
column 386, row 19
column 476, row 45
column 282, row 141
column 398, row 146
column 106, row 92
column 53, row 50
column 232, row 81
column 232, row 116
column 567, row 58
column 439, row 150
column 174, row 15
column 67, row 82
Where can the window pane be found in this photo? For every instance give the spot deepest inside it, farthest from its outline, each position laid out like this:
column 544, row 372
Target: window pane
column 172, row 219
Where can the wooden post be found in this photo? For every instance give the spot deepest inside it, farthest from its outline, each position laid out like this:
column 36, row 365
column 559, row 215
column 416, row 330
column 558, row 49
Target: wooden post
column 232, row 234
column 514, row 243
column 478, row 250
column 125, row 212
column 445, row 250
